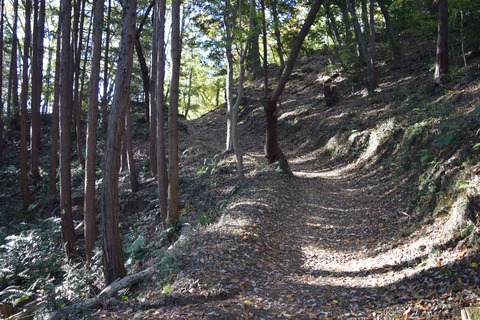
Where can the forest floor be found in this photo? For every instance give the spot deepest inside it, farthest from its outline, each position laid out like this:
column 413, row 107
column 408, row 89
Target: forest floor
column 339, row 239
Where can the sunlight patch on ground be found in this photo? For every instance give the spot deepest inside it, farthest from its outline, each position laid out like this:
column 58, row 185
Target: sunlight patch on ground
column 330, row 266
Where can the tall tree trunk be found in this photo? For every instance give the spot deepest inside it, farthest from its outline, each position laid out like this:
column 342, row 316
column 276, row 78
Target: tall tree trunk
column 48, row 88
column 89, row 205
column 134, row 184
column 392, row 35
column 112, row 246
column 1, row 81
column 276, row 29
column 158, row 73
column 176, row 44
column 27, row 196
column 364, row 49
column 37, row 82
column 52, row 173
column 441, row 66
column 105, row 69
column 79, row 14
column 272, row 149
column 65, row 108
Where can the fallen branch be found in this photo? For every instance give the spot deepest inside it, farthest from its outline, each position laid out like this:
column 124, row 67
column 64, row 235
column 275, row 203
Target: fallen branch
column 111, row 290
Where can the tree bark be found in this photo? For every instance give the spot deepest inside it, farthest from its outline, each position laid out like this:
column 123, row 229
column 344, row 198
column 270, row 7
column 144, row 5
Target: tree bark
column 26, row 195
column 272, row 149
column 1, row 81
column 176, row 44
column 65, row 108
column 37, row 82
column 158, row 100
column 441, row 66
column 112, row 246
column 90, row 209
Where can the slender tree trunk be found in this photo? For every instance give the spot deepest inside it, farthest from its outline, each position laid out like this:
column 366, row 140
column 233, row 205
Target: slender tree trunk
column 441, row 66
column 276, row 29
column 37, row 81
column 176, row 44
column 48, row 88
column 112, row 246
column 364, row 49
column 105, row 69
column 13, row 107
column 65, row 108
column 189, row 92
column 254, row 35
column 27, row 196
column 77, row 34
column 392, row 35
column 272, row 149
column 333, row 32
column 134, row 184
column 146, row 81
column 55, row 134
column 265, row 49
column 158, row 100
column 1, row 81
column 373, row 44
column 90, row 209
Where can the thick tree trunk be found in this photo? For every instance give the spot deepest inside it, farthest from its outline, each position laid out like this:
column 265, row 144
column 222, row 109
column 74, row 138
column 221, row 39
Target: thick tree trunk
column 66, row 84
column 112, row 246
column 176, row 44
column 265, row 49
column 89, row 205
column 27, row 196
column 392, row 35
column 159, row 76
column 441, row 66
column 272, row 149
column 37, row 82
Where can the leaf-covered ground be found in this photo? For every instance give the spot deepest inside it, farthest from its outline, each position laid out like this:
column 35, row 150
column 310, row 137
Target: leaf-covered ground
column 341, row 239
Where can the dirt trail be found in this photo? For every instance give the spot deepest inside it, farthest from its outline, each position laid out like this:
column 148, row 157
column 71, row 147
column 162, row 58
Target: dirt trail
column 323, row 244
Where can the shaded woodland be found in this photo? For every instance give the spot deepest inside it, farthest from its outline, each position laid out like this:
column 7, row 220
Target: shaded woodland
column 252, row 159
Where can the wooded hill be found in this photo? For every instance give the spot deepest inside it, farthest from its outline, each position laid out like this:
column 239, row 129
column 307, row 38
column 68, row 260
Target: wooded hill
column 325, row 166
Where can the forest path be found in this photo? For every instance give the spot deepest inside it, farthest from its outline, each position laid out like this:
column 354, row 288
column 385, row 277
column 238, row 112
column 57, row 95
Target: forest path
column 326, row 243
